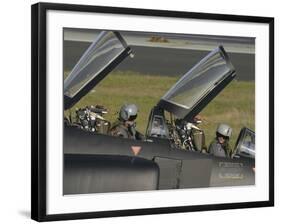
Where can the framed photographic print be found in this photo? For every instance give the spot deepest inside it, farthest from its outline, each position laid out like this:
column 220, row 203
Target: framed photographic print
column 138, row 111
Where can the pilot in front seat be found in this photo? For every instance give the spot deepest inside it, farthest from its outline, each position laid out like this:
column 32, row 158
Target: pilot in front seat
column 125, row 126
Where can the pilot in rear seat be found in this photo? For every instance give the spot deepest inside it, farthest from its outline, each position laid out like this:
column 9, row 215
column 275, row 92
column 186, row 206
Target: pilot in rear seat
column 125, row 126
column 220, row 145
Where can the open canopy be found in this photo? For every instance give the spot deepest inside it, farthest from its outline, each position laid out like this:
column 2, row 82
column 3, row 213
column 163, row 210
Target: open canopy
column 103, row 55
column 199, row 86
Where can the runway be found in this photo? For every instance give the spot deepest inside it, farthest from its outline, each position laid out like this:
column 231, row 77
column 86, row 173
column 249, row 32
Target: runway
column 162, row 61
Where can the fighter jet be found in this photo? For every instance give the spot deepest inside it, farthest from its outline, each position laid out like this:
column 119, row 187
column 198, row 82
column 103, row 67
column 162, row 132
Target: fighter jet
column 168, row 158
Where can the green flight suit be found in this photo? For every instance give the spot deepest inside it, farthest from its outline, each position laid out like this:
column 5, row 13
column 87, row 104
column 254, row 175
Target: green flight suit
column 220, row 150
column 119, row 129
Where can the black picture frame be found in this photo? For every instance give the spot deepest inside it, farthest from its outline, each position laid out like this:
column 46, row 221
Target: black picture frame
column 39, row 123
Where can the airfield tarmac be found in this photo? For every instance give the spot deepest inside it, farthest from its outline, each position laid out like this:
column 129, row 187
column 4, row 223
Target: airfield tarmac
column 171, row 61
column 172, row 58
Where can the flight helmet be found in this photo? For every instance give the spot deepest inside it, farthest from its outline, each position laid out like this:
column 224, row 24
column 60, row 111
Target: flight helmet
column 224, row 130
column 128, row 112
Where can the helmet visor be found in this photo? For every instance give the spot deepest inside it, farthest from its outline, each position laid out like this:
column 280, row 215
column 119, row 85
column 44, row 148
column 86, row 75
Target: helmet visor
column 132, row 118
column 223, row 136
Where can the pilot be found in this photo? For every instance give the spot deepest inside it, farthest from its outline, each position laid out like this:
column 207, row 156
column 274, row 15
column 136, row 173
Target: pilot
column 125, row 126
column 220, row 145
